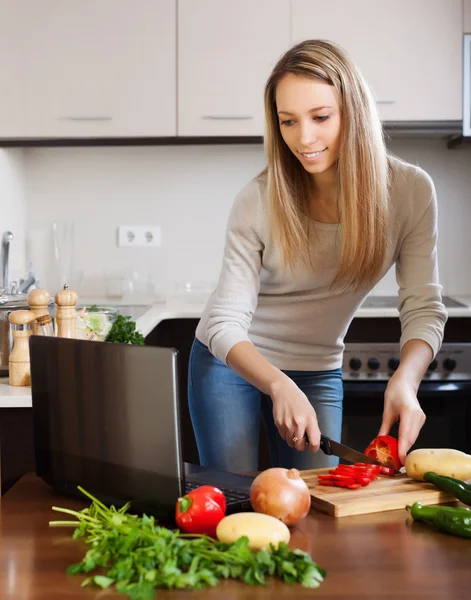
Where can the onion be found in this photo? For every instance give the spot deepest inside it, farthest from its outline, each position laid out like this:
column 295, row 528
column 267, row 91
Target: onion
column 281, row 493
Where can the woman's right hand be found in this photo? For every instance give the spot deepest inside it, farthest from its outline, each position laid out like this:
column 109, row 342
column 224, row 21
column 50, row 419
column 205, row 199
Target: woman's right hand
column 294, row 415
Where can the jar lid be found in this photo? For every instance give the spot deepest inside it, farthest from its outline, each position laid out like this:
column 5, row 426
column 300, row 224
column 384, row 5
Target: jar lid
column 44, row 320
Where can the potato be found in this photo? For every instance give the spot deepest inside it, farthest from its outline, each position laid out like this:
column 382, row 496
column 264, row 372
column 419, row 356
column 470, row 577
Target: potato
column 259, row 528
column 443, row 461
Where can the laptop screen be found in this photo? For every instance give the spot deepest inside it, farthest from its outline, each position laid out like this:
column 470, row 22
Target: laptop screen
column 105, row 417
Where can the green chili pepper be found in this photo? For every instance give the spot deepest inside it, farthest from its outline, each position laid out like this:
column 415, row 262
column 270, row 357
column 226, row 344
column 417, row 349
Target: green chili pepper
column 459, row 489
column 453, row 520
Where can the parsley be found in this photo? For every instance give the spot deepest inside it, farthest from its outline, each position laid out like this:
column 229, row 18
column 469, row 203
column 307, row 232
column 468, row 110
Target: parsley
column 137, row 556
column 124, row 331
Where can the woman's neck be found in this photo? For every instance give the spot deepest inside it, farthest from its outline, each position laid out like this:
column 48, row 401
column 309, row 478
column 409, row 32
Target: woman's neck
column 323, row 205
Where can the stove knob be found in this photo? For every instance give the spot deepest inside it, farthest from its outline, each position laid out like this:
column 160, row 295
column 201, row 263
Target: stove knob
column 393, row 363
column 432, row 366
column 449, row 364
column 355, row 364
column 373, row 364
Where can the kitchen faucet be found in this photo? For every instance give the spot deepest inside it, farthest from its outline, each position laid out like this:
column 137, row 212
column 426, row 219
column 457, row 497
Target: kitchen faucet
column 25, row 285
column 6, row 239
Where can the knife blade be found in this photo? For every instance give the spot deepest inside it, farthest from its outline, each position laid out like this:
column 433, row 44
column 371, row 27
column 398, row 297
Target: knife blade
column 330, row 448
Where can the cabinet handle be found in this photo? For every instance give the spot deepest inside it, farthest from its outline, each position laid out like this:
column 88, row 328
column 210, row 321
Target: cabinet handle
column 85, row 118
column 385, row 102
column 229, row 117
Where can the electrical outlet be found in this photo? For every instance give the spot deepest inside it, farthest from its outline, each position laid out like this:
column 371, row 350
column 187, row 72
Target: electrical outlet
column 132, row 236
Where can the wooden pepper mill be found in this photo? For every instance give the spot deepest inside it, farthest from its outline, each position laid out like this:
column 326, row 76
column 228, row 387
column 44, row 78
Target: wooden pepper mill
column 66, row 314
column 38, row 301
column 19, row 365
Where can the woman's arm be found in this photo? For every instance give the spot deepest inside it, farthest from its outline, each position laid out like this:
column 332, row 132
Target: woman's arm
column 293, row 413
column 400, row 398
column 422, row 313
column 231, row 313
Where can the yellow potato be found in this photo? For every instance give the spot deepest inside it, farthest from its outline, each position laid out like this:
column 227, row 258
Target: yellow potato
column 443, row 461
column 259, row 528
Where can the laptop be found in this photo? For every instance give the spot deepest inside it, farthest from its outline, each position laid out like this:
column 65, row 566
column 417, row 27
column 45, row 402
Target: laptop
column 106, row 417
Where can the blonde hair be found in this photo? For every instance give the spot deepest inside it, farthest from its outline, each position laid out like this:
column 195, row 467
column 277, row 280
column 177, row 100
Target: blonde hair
column 362, row 169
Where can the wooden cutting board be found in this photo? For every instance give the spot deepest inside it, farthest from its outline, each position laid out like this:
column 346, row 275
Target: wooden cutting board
column 384, row 493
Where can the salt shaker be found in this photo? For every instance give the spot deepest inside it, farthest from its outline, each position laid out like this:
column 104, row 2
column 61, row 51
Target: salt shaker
column 66, row 314
column 19, row 363
column 38, row 301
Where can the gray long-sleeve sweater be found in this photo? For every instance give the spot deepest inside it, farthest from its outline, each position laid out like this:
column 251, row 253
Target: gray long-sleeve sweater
column 296, row 321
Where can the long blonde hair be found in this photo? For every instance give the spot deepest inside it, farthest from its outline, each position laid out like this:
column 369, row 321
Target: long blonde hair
column 362, row 168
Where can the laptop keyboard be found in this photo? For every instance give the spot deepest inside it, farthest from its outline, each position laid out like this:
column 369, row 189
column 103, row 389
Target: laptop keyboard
column 232, row 496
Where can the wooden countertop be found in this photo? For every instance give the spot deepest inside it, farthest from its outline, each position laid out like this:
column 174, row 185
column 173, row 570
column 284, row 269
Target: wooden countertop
column 383, row 555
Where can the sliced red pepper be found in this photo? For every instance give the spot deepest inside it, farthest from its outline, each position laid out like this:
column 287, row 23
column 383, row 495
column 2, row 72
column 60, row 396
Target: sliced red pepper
column 374, row 468
column 368, row 466
column 354, row 486
column 384, row 448
column 387, row 471
column 200, row 511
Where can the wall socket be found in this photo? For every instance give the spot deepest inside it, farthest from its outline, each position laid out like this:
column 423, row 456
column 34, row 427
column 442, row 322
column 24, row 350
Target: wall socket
column 133, row 236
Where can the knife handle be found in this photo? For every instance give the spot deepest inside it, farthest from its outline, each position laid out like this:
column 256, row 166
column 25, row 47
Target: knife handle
column 325, row 445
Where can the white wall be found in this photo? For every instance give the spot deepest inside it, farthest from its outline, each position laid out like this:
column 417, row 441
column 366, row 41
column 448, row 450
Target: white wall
column 13, row 208
column 188, row 191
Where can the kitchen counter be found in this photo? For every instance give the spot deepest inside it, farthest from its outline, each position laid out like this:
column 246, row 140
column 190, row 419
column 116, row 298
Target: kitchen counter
column 14, row 396
column 148, row 317
column 382, row 555
column 174, row 309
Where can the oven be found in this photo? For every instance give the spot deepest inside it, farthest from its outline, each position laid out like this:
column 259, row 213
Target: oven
column 370, row 358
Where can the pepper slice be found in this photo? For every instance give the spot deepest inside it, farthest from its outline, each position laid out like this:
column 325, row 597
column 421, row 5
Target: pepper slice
column 384, row 449
column 354, row 486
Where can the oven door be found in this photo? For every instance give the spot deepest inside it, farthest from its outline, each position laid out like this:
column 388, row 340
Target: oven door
column 447, row 406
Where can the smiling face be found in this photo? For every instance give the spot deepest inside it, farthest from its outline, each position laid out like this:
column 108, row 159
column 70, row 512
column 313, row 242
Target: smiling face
column 309, row 118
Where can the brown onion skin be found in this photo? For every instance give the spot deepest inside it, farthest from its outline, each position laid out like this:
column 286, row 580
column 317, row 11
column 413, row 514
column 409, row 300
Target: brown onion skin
column 281, row 493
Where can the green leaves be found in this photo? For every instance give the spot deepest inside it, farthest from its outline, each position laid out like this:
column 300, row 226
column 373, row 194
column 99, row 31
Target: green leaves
column 124, row 331
column 137, row 556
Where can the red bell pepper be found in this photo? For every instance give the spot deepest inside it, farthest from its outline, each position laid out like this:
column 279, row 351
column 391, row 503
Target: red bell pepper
column 384, row 448
column 201, row 510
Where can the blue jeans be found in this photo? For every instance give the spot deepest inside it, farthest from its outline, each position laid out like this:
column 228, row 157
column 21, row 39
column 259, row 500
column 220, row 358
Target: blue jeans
column 225, row 413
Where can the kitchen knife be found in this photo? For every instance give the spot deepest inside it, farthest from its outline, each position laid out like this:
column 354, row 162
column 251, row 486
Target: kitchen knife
column 330, row 448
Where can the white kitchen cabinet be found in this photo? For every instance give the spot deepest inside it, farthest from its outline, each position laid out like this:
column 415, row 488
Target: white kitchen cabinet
column 467, row 16
column 410, row 51
column 87, row 68
column 226, row 51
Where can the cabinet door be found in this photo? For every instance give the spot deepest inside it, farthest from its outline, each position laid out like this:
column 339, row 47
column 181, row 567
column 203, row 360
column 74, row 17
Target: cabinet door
column 467, row 16
column 410, row 51
column 82, row 68
column 226, row 51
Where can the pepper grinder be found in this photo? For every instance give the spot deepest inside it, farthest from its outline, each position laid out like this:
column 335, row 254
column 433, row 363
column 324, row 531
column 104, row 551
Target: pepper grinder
column 19, row 365
column 38, row 301
column 66, row 314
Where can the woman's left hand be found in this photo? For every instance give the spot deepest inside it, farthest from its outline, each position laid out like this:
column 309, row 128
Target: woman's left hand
column 400, row 403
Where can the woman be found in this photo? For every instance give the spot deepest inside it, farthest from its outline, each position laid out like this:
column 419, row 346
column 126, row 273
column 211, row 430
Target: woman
column 306, row 241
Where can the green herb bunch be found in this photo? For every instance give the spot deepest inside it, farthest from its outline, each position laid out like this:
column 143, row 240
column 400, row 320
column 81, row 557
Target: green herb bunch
column 124, row 331
column 138, row 556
